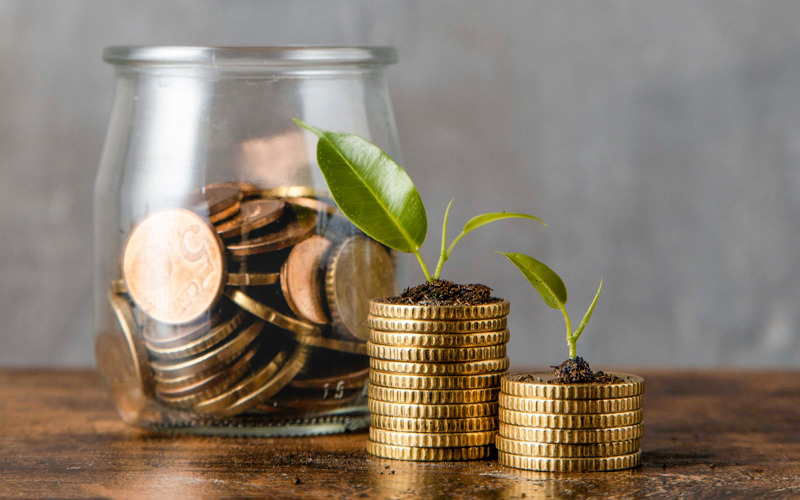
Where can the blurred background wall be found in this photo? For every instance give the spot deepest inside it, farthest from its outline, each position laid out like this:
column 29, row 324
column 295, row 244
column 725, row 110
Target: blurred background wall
column 659, row 140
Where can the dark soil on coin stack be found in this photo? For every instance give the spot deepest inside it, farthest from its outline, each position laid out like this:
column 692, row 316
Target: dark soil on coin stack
column 578, row 371
column 444, row 293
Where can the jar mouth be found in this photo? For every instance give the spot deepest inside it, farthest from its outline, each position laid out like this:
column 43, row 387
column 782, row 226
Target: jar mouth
column 249, row 56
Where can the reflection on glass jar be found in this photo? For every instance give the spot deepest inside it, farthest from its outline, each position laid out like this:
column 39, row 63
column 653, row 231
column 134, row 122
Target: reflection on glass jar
column 230, row 293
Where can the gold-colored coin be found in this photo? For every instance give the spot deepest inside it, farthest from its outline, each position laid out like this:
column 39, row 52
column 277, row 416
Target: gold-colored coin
column 578, row 421
column 488, row 366
column 440, row 313
column 347, row 381
column 570, row 406
column 292, row 233
column 384, row 450
column 208, row 387
column 314, row 204
column 426, row 326
column 538, row 385
column 435, row 382
column 247, row 189
column 436, row 354
column 115, row 363
column 301, row 281
column 252, row 215
column 250, row 384
column 551, row 450
column 292, row 192
column 173, row 266
column 433, row 440
column 475, row 424
column 212, row 338
column 570, row 464
column 433, row 411
column 167, row 336
column 439, row 339
column 272, row 316
column 571, row 436
column 255, row 394
column 210, row 361
column 334, row 344
column 224, row 214
column 137, row 353
column 359, row 269
column 118, row 287
column 217, row 198
column 252, row 279
column 435, row 397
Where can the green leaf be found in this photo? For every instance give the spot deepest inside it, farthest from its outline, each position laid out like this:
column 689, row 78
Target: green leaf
column 544, row 280
column 371, row 189
column 588, row 314
column 480, row 220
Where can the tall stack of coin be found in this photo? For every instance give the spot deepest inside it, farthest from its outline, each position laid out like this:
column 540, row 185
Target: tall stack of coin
column 434, row 379
column 248, row 300
column 569, row 427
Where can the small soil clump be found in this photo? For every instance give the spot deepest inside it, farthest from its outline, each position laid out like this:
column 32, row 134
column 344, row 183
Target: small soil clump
column 444, row 293
column 578, row 371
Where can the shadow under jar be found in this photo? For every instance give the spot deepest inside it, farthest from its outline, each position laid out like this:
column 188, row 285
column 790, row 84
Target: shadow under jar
column 231, row 295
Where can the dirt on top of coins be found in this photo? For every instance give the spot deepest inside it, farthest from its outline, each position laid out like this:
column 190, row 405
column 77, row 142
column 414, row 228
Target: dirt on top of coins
column 444, row 293
column 578, row 371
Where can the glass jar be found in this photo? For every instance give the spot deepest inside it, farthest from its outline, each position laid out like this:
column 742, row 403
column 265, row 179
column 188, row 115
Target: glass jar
column 230, row 293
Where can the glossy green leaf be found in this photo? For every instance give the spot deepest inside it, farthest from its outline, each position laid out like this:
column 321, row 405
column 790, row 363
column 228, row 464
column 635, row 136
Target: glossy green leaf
column 371, row 189
column 483, row 219
column 544, row 280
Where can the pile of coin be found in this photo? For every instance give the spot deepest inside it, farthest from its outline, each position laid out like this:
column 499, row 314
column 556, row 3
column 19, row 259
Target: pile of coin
column 248, row 300
column 569, row 428
column 434, row 379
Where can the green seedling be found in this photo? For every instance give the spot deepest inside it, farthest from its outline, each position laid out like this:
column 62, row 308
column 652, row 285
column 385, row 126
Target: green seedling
column 378, row 196
column 553, row 291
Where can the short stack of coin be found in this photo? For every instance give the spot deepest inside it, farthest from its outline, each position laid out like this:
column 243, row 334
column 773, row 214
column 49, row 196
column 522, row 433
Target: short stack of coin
column 248, row 300
column 434, row 379
column 569, row 427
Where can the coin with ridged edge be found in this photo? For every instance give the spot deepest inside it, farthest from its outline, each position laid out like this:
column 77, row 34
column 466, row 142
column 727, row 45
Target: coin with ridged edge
column 439, row 339
column 537, row 385
column 577, row 421
column 435, row 354
column 416, row 396
column 433, row 382
column 358, row 270
column 272, row 316
column 570, row 406
column 402, row 424
column 571, row 436
column 292, row 233
column 433, row 411
column 432, row 440
column 334, row 344
column 447, row 313
column 488, row 366
column 137, row 353
column 411, row 453
column 424, row 326
column 252, row 215
column 212, row 338
column 570, row 464
column 252, row 279
column 551, row 450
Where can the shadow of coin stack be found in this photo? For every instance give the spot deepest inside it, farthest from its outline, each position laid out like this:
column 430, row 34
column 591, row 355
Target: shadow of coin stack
column 250, row 301
column 572, row 427
column 434, row 379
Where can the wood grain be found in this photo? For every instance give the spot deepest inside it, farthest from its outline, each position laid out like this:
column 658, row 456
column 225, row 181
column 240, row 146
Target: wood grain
column 707, row 434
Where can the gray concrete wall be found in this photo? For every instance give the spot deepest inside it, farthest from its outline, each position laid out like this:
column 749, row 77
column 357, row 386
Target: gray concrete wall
column 659, row 140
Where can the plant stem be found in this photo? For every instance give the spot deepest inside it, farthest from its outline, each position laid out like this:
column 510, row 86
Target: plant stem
column 424, row 267
column 571, row 341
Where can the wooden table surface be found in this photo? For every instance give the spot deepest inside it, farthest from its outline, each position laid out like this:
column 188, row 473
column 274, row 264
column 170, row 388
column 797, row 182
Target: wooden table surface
column 708, row 434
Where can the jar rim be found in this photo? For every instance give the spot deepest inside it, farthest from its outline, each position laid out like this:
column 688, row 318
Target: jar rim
column 300, row 55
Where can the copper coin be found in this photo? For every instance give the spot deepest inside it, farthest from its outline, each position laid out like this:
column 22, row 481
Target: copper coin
column 218, row 198
column 248, row 189
column 291, row 234
column 315, row 205
column 301, row 281
column 136, row 351
column 359, row 269
column 252, row 215
column 173, row 266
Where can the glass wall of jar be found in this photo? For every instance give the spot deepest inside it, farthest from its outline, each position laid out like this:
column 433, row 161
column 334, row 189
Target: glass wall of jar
column 230, row 293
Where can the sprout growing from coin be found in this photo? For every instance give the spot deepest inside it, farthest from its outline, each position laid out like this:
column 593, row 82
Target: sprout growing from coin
column 553, row 291
column 378, row 196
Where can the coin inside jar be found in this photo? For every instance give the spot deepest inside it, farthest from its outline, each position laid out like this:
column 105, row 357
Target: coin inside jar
column 301, row 281
column 359, row 269
column 252, row 215
column 292, row 233
column 173, row 266
column 218, row 201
